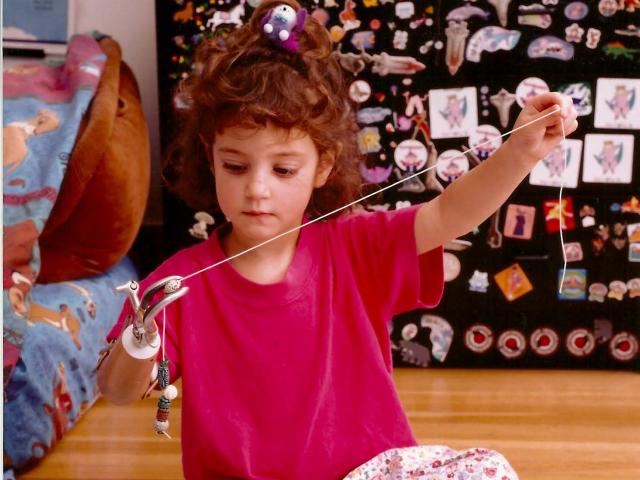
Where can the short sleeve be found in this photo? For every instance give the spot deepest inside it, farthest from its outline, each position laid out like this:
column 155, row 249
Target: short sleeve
column 169, row 333
column 381, row 249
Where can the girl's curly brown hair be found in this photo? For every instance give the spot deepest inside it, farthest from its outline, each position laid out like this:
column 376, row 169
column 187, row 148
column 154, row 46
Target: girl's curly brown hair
column 249, row 81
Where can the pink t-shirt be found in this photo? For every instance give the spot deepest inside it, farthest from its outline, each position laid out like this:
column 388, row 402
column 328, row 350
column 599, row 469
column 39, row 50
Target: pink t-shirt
column 292, row 380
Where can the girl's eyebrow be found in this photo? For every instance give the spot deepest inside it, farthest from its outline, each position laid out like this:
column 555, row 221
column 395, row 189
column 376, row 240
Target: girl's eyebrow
column 280, row 154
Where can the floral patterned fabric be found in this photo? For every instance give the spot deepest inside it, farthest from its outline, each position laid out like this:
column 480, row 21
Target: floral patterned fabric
column 435, row 462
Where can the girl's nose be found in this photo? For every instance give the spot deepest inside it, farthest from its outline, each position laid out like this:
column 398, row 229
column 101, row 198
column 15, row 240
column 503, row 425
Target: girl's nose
column 257, row 187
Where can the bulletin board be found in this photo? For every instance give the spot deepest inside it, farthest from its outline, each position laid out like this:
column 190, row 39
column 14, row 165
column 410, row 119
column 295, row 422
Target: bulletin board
column 432, row 79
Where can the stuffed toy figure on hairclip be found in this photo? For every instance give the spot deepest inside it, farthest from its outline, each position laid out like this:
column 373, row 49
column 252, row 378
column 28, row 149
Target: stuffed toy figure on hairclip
column 281, row 24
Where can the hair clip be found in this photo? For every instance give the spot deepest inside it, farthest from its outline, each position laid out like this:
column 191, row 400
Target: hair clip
column 281, row 25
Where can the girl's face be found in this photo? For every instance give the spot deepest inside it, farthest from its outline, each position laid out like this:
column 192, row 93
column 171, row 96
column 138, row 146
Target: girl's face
column 264, row 179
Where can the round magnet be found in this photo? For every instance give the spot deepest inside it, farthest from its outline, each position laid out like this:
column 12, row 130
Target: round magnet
column 485, row 140
column 451, row 266
column 336, row 33
column 580, row 342
column 624, row 347
column 359, row 91
column 608, row 8
column 410, row 156
column 544, row 341
column 451, row 165
column 529, row 88
column 512, row 344
column 409, row 331
column 576, row 10
column 478, row 338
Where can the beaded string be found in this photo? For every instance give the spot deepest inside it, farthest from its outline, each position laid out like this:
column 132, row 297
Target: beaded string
column 402, row 180
column 169, row 392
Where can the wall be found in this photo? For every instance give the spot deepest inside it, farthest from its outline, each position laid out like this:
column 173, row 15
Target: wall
column 133, row 25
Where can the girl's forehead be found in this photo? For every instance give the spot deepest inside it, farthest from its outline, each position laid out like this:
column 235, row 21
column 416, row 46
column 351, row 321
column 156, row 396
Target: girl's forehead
column 268, row 134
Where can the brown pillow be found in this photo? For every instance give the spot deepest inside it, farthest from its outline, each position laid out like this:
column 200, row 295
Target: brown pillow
column 104, row 193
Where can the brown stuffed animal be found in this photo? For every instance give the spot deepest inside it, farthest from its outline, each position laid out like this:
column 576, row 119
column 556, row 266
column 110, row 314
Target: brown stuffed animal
column 104, row 193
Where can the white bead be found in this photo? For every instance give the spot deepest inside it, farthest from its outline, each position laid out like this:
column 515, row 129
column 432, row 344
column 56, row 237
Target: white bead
column 161, row 425
column 268, row 28
column 283, row 35
column 170, row 393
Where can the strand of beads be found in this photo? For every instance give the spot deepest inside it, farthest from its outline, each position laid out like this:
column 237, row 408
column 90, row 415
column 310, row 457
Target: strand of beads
column 169, row 392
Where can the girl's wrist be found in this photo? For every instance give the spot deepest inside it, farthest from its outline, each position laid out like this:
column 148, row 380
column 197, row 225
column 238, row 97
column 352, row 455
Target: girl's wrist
column 513, row 153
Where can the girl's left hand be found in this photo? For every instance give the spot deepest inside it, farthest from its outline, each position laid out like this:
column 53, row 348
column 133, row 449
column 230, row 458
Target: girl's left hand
column 535, row 141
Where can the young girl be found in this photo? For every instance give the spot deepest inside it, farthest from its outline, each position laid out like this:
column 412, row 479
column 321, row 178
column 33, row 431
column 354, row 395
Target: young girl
column 284, row 352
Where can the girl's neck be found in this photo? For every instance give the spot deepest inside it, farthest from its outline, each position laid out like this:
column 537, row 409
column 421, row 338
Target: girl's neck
column 266, row 264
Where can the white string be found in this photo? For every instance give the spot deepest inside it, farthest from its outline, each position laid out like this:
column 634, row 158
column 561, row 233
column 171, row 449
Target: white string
column 555, row 110
column 561, row 209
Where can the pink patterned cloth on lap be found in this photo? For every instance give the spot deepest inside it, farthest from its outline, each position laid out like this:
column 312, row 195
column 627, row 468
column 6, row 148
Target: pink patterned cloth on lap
column 435, row 462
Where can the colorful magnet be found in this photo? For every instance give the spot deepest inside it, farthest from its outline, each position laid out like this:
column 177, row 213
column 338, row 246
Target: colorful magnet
column 617, row 103
column 573, row 252
column 544, row 341
column 607, row 158
column 409, row 331
column 630, row 31
column 634, row 252
column 512, row 344
column 607, row 8
column 415, row 104
column 519, row 221
column 576, row 11
column 453, row 112
column 410, row 156
column 503, row 100
column 491, row 39
column 556, row 215
column 587, row 216
column 513, row 282
column 375, row 174
column 633, row 232
column 624, row 347
column 549, row 46
column 466, row 12
column 369, row 140
column 485, row 140
column 574, row 286
column 502, row 7
column 451, row 266
column 441, row 335
column 478, row 338
column 580, row 342
column 529, row 88
column 597, row 292
column 617, row 290
column 400, row 38
column 580, row 93
column 534, row 15
column 479, row 282
column 405, row 10
column 451, row 165
column 372, row 115
column 631, row 206
column 593, row 38
column 457, row 33
column 363, row 40
column 385, row 64
column 633, row 287
column 574, row 33
column 348, row 16
column 551, row 171
column 359, row 91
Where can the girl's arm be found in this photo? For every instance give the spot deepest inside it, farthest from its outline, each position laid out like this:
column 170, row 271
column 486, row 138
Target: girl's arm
column 475, row 196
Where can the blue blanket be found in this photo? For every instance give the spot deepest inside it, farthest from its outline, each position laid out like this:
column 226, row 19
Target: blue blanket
column 42, row 109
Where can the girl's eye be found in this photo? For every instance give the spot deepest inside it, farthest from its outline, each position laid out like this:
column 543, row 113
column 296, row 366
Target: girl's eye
column 234, row 167
column 284, row 172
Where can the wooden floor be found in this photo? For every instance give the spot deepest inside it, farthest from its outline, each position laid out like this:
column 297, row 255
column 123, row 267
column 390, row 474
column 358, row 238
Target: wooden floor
column 551, row 425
